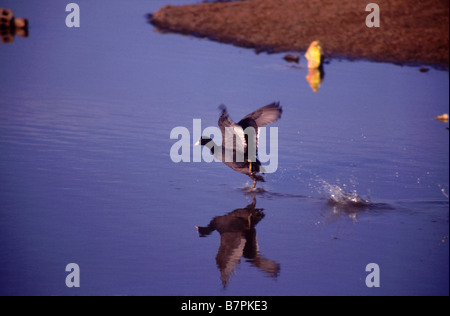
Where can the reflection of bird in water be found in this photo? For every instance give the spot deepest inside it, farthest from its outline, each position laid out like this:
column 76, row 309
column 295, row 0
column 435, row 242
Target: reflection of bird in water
column 239, row 148
column 237, row 240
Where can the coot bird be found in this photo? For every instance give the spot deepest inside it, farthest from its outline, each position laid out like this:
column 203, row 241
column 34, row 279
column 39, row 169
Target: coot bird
column 239, row 148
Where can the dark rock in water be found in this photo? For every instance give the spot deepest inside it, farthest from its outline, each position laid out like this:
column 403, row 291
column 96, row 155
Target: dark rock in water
column 292, row 58
column 11, row 26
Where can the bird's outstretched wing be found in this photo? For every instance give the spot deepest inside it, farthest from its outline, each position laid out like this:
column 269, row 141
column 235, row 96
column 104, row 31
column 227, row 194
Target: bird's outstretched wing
column 265, row 115
column 233, row 137
column 257, row 119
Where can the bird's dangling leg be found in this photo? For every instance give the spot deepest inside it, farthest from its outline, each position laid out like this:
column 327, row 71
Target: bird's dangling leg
column 254, row 201
column 254, row 184
column 250, row 167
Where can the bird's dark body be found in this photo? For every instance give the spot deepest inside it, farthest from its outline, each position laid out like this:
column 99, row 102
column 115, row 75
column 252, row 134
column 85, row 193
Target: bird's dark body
column 250, row 165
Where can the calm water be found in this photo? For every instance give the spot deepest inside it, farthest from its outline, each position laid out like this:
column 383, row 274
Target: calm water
column 86, row 176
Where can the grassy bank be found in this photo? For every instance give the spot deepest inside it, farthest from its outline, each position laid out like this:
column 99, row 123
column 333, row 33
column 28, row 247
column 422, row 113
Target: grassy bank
column 411, row 31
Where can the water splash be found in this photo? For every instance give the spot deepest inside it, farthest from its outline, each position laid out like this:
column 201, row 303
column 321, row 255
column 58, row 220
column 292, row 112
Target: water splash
column 337, row 196
column 250, row 190
column 443, row 191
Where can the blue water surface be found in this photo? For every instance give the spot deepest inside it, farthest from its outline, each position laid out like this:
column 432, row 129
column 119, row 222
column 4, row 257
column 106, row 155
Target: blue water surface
column 86, row 175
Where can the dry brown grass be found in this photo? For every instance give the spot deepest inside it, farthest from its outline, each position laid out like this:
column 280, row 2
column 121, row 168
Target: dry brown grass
column 412, row 31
